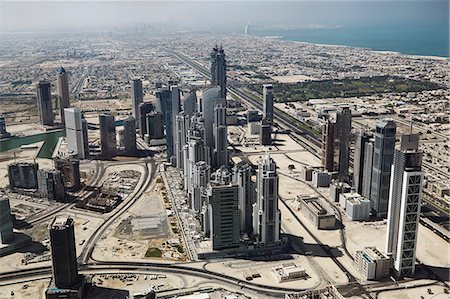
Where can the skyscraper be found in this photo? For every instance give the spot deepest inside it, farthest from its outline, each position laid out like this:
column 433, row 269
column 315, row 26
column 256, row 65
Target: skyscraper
column 343, row 131
column 84, row 130
column 358, row 161
column 404, row 205
column 246, row 192
column 129, row 135
column 201, row 175
column 6, row 221
column 176, row 108
column 63, row 92
column 265, row 132
column 155, row 125
column 51, row 184
column 108, row 144
column 74, row 132
column 190, row 104
column 168, row 103
column 144, row 109
column 210, row 99
column 23, row 175
column 223, row 216
column 328, row 140
column 44, row 103
column 383, row 156
column 136, row 96
column 220, row 136
column 367, row 168
column 268, row 102
column 64, row 257
column 219, row 70
column 70, row 169
column 266, row 216
column 182, row 125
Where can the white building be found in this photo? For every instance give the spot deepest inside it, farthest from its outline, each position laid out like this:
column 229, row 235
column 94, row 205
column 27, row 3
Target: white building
column 74, row 132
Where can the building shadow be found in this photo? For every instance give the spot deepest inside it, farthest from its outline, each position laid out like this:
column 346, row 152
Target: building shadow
column 100, row 292
column 316, row 250
column 432, row 272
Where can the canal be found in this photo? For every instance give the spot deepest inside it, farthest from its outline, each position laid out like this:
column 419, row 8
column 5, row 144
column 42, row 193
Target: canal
column 50, row 140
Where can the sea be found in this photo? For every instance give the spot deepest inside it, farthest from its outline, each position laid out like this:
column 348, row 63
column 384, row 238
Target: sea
column 421, row 40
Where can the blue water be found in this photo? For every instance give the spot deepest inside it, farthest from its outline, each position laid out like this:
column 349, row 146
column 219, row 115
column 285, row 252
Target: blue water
column 421, row 40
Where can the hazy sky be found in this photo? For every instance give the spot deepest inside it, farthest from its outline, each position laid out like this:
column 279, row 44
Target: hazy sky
column 217, row 15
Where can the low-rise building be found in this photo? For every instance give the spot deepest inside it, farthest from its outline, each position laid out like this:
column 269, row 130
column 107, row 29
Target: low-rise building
column 321, row 178
column 372, row 263
column 318, row 212
column 336, row 188
column 358, row 209
column 288, row 271
column 343, row 197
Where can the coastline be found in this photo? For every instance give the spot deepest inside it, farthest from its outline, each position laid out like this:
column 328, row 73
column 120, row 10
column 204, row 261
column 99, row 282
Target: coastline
column 414, row 56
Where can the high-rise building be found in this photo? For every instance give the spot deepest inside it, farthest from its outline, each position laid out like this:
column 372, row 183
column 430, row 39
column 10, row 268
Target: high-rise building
column 154, row 125
column 64, row 256
column 210, row 99
column 328, row 140
column 196, row 153
column 219, row 70
column 220, row 136
column 266, row 215
column 3, row 132
column 201, row 176
column 190, row 105
column 23, row 175
column 44, row 103
column 168, row 103
column 268, row 102
column 246, row 192
column 63, row 92
column 74, row 132
column 383, row 156
column 367, row 168
column 358, row 161
column 265, row 132
column 6, row 221
column 70, row 169
column 51, row 184
column 84, row 130
column 129, row 135
column 136, row 96
column 404, row 205
column 223, row 216
column 144, row 109
column 108, row 143
column 182, row 125
column 343, row 131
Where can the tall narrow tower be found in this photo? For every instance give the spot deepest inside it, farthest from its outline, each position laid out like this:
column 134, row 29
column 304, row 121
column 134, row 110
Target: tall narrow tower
column 404, row 205
column 210, row 99
column 44, row 103
column 268, row 102
column 266, row 216
column 358, row 162
column 243, row 178
column 219, row 70
column 343, row 131
column 63, row 92
column 6, row 221
column 383, row 156
column 108, row 144
column 328, row 139
column 136, row 96
column 64, row 256
column 74, row 132
column 220, row 137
